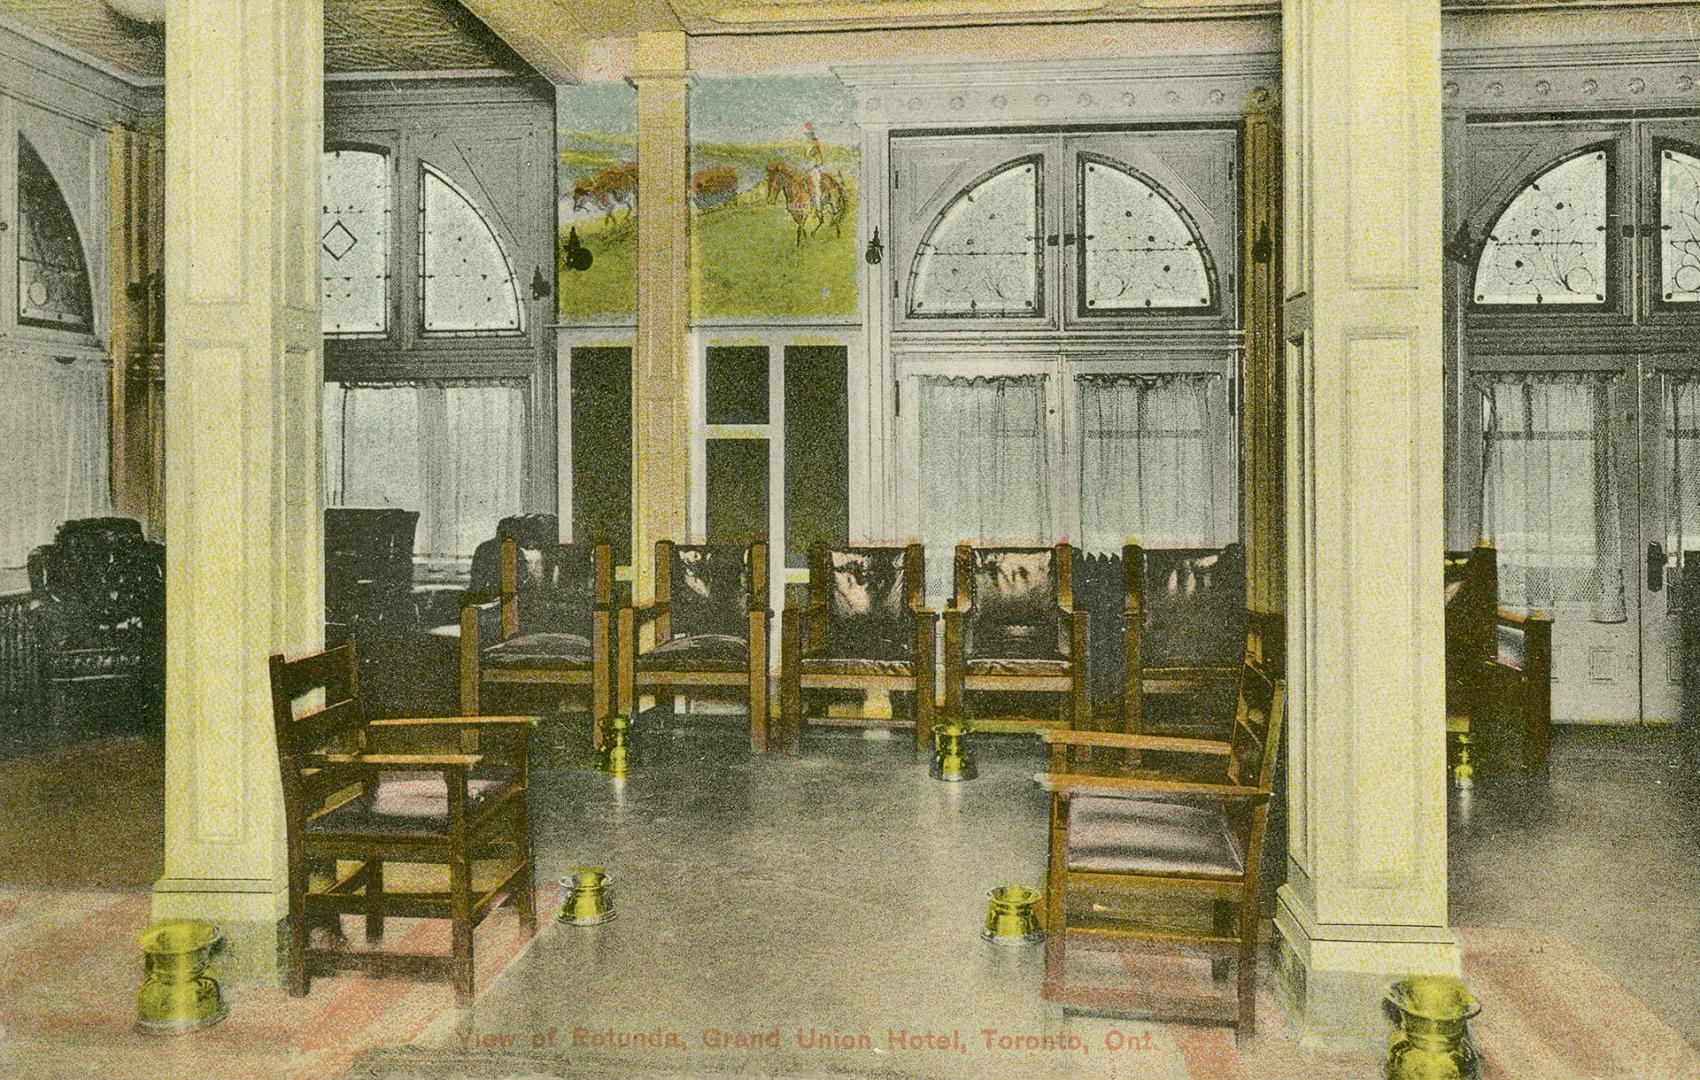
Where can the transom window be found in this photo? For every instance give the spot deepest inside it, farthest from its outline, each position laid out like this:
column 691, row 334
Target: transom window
column 465, row 284
column 53, row 276
column 982, row 257
column 354, row 234
column 1549, row 245
column 1137, row 249
column 1679, row 226
column 465, row 279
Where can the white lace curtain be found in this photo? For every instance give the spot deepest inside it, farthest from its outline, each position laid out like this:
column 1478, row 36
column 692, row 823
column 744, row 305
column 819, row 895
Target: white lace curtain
column 453, row 452
column 983, row 473
column 53, row 424
column 1550, row 499
column 1145, row 461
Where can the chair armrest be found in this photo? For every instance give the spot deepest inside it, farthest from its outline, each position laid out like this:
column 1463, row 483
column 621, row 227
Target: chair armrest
column 1129, row 741
column 650, row 610
column 454, row 721
column 404, row 761
column 1065, row 784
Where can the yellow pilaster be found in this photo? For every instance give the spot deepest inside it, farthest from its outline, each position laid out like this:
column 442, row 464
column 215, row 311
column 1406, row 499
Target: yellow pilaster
column 244, row 129
column 1365, row 899
column 660, row 400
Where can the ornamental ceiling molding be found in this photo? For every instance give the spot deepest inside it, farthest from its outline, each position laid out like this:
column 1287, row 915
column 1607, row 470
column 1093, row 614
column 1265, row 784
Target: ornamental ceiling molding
column 1157, row 88
column 793, row 16
column 1591, row 77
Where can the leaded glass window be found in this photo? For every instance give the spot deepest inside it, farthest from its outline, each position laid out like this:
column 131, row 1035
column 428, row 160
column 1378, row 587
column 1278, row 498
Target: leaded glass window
column 53, row 276
column 466, row 281
column 1549, row 244
column 354, row 233
column 982, row 257
column 1137, row 250
column 1679, row 226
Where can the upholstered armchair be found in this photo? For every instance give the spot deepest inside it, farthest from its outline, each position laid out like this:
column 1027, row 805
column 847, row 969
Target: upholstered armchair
column 711, row 624
column 98, row 608
column 549, row 623
column 1185, row 629
column 1196, row 833
column 1012, row 626
column 369, row 573
column 865, row 627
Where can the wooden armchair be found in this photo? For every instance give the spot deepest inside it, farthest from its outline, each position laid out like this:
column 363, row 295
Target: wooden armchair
column 1197, row 834
column 346, row 802
column 1498, row 664
column 550, row 623
column 711, row 628
column 1012, row 626
column 866, row 627
column 1186, row 621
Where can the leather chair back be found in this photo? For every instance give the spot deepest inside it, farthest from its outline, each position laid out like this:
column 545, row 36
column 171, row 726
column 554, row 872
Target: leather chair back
column 100, row 585
column 869, row 594
column 1194, row 607
column 369, row 545
column 711, row 588
column 557, row 585
column 528, row 530
column 1014, row 595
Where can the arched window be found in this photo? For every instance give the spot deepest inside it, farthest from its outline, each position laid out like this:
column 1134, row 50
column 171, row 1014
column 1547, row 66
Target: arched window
column 53, row 276
column 1679, row 226
column 982, row 257
column 1138, row 251
column 1549, row 244
column 354, row 242
column 467, row 284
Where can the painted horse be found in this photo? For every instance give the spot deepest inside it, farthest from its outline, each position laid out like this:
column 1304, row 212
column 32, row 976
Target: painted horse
column 608, row 189
column 816, row 192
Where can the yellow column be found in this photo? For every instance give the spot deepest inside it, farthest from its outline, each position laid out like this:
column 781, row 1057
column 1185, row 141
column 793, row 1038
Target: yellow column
column 244, row 128
column 662, row 426
column 1365, row 898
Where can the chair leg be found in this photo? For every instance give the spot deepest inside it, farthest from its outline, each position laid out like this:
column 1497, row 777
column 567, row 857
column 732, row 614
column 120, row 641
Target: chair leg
column 1247, row 1029
column 298, row 980
column 1056, row 903
column 460, row 914
column 1221, row 924
column 525, row 887
column 374, row 895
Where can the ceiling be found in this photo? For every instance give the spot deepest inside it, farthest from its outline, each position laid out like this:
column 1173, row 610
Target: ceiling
column 547, row 36
column 360, row 35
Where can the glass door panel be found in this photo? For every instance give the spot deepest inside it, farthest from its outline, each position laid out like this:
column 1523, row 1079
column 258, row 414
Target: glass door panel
column 1560, row 501
column 1670, row 527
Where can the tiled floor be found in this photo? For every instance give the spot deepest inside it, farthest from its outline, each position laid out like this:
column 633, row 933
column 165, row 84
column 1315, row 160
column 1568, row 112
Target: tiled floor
column 810, row 901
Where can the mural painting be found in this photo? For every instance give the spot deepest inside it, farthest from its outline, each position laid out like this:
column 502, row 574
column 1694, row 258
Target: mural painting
column 596, row 245
column 773, row 193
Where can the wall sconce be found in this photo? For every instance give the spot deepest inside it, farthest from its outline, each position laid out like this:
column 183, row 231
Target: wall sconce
column 1262, row 248
column 575, row 255
column 539, row 285
column 876, row 250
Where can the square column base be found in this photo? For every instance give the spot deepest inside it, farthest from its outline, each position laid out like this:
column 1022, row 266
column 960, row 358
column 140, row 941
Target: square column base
column 253, row 915
column 1331, row 978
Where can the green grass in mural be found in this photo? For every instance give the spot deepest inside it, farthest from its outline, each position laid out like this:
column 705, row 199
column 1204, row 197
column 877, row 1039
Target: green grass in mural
column 747, row 263
column 609, row 288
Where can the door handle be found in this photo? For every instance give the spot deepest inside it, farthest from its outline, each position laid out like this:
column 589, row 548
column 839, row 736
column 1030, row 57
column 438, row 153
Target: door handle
column 1655, row 566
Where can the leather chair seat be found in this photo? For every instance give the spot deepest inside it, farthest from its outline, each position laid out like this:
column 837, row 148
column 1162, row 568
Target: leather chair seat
column 554, row 652
column 411, row 802
column 1158, row 836
column 697, row 652
column 1017, row 642
column 1012, row 665
column 848, row 665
